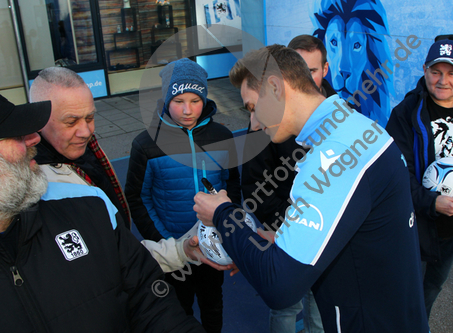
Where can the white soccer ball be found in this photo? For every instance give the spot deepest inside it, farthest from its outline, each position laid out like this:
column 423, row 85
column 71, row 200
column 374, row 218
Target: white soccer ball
column 438, row 176
column 211, row 244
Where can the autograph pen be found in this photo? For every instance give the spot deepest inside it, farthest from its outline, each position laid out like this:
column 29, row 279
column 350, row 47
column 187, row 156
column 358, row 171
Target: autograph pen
column 208, row 186
column 211, row 190
column 249, row 221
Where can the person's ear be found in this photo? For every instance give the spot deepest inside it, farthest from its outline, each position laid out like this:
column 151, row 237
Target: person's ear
column 424, row 69
column 276, row 86
column 325, row 69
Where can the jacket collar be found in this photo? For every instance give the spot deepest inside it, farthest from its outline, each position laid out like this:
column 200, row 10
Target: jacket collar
column 29, row 223
column 420, row 115
column 47, row 154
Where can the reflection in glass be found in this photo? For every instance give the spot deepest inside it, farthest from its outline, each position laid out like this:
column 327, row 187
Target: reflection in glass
column 10, row 73
column 58, row 32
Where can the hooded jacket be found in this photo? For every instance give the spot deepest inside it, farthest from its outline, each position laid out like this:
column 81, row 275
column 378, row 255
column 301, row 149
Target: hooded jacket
column 166, row 166
column 77, row 270
column 410, row 127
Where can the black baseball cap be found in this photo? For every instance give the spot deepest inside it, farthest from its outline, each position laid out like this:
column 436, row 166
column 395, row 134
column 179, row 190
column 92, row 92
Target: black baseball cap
column 440, row 51
column 24, row 119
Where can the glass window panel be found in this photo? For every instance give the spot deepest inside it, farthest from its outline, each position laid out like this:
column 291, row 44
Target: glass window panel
column 58, row 32
column 10, row 72
column 134, row 29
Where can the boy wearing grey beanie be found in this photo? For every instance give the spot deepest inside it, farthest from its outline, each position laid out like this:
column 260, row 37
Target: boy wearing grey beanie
column 168, row 160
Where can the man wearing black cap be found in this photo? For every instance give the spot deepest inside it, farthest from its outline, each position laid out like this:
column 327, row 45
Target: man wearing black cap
column 422, row 126
column 22, row 182
column 65, row 263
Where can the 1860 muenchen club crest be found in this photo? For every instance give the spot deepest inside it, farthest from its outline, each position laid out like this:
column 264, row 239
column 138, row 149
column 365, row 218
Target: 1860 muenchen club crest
column 71, row 244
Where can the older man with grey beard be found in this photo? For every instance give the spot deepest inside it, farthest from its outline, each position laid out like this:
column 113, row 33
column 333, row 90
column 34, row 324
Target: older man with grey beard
column 65, row 262
column 21, row 186
column 22, row 183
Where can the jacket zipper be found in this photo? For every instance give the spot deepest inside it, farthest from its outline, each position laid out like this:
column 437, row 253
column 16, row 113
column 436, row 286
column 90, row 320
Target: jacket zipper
column 194, row 161
column 192, row 145
column 204, row 174
column 18, row 281
column 34, row 313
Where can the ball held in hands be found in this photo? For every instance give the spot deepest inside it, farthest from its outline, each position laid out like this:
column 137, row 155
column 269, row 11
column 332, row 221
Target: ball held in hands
column 211, row 242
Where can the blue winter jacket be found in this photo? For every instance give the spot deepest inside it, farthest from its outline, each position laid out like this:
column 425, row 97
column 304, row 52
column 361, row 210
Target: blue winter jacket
column 165, row 169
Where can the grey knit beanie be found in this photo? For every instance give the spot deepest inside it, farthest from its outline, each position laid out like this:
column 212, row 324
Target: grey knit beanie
column 181, row 76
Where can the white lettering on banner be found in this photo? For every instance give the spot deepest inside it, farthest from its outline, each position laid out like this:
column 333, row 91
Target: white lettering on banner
column 96, row 84
column 187, row 86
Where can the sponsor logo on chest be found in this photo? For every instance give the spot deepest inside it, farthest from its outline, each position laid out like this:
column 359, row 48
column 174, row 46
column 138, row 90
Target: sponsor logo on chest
column 71, row 244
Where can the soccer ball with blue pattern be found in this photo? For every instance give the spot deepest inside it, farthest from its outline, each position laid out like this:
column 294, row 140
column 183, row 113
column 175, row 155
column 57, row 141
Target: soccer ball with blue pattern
column 438, row 176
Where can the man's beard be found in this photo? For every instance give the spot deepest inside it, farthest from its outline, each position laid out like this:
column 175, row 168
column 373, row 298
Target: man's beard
column 20, row 186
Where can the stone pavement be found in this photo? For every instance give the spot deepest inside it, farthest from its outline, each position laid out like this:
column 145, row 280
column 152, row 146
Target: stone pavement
column 119, row 120
column 441, row 320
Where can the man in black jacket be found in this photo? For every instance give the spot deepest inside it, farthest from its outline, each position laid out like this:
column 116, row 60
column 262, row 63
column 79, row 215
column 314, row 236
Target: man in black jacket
column 422, row 127
column 276, row 193
column 67, row 262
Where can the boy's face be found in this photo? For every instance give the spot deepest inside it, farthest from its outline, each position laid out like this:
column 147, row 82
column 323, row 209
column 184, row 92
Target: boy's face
column 185, row 109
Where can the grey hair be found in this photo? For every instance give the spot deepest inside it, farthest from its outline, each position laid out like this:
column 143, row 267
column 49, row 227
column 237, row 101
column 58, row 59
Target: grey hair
column 53, row 76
